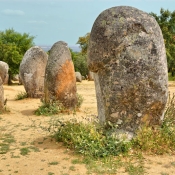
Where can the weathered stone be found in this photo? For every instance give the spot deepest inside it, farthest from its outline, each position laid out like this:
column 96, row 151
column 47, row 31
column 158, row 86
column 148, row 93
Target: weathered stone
column 78, row 77
column 127, row 53
column 4, row 72
column 1, row 95
column 15, row 77
column 83, row 78
column 60, row 80
column 32, row 71
column 90, row 76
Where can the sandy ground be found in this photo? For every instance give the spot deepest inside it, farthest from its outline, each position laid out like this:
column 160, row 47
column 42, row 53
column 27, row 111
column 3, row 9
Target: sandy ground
column 47, row 157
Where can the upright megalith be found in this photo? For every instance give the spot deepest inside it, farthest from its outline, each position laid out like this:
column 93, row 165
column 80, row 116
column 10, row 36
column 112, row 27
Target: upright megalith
column 3, row 74
column 127, row 53
column 60, row 80
column 1, row 95
column 78, row 77
column 32, row 71
column 4, row 67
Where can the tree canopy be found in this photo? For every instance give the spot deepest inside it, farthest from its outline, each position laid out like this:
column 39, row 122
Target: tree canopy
column 166, row 21
column 80, row 63
column 83, row 42
column 13, row 46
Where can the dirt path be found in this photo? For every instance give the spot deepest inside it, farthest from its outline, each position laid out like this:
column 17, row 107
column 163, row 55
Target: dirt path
column 33, row 152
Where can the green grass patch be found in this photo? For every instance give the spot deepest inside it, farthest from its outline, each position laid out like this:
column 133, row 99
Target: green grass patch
column 50, row 109
column 5, row 141
column 24, row 151
column 54, row 163
column 56, row 107
column 21, row 95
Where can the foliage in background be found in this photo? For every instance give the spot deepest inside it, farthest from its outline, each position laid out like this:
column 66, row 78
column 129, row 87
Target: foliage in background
column 13, row 46
column 80, row 62
column 83, row 42
column 166, row 21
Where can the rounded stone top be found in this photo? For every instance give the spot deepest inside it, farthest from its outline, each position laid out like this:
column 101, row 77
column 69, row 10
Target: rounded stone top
column 34, row 53
column 117, row 28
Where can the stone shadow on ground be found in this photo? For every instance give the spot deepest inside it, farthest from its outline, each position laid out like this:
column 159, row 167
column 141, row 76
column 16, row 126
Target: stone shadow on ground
column 48, row 143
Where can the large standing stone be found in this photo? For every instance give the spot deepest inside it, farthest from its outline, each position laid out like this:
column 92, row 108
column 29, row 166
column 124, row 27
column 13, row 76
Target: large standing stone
column 127, row 53
column 32, row 71
column 60, row 80
column 4, row 72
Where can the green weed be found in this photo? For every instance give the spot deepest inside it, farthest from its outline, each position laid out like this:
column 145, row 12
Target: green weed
column 24, row 151
column 56, row 107
column 50, row 109
column 160, row 139
column 54, row 163
column 80, row 100
column 21, row 95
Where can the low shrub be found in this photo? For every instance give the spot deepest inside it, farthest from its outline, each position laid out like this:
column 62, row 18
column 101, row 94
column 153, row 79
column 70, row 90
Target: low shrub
column 90, row 140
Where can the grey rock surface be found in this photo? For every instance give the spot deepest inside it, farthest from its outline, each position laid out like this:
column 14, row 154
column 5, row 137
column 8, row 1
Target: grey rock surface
column 78, row 77
column 4, row 67
column 1, row 95
column 32, row 71
column 127, row 54
column 60, row 80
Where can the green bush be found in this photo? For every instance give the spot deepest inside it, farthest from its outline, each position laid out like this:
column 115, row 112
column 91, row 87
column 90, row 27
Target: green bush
column 90, row 140
column 80, row 62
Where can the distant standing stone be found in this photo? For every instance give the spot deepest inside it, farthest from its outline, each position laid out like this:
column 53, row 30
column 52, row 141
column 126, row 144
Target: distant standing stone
column 4, row 67
column 78, row 77
column 60, row 80
column 32, row 71
column 1, row 95
column 90, row 76
column 127, row 53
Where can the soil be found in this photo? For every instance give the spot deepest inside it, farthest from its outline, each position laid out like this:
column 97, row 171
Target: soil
column 46, row 156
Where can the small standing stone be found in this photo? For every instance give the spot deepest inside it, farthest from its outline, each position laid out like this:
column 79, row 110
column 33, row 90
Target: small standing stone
column 127, row 54
column 78, row 77
column 4, row 67
column 1, row 95
column 60, row 80
column 32, row 71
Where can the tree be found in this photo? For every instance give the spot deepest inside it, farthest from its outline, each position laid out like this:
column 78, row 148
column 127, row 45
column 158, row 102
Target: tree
column 166, row 21
column 83, row 42
column 13, row 46
column 80, row 63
